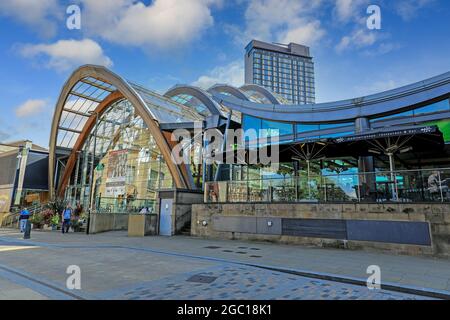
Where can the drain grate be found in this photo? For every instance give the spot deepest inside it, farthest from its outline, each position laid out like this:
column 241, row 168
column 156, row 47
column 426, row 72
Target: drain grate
column 212, row 247
column 199, row 278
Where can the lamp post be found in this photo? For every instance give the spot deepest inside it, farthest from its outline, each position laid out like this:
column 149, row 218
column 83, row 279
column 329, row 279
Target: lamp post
column 91, row 179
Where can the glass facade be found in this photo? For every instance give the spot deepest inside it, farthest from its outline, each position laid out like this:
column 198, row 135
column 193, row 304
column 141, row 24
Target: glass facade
column 118, row 164
column 128, row 166
column 290, row 76
column 440, row 106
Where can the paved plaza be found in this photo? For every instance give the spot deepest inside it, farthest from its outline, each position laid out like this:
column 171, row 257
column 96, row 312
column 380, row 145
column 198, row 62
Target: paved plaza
column 114, row 266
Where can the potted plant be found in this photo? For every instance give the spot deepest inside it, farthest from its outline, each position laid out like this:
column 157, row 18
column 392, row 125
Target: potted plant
column 57, row 206
column 55, row 222
column 37, row 220
column 76, row 225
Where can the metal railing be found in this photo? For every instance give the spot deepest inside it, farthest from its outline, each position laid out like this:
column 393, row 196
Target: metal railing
column 429, row 185
column 125, row 206
column 12, row 219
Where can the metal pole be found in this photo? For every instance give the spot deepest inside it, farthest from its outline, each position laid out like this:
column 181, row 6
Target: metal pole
column 308, row 175
column 224, row 148
column 393, row 175
column 440, row 186
column 204, row 147
column 91, row 182
column 77, row 168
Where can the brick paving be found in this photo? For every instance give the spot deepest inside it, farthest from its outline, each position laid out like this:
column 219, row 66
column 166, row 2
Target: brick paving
column 181, row 268
column 230, row 282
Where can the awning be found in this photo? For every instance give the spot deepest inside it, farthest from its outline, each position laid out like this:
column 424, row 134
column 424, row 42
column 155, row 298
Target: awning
column 425, row 141
column 389, row 133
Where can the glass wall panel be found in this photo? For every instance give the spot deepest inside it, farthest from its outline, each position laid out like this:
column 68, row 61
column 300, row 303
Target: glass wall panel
column 435, row 107
column 307, row 127
column 128, row 166
column 277, row 128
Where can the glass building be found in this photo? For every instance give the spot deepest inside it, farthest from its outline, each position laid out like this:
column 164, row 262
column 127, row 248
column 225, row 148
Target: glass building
column 111, row 146
column 286, row 70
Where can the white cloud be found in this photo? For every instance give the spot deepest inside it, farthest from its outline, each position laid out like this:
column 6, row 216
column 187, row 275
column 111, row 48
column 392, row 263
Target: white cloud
column 232, row 74
column 281, row 21
column 355, row 11
column 308, row 34
column 347, row 10
column 67, row 54
column 161, row 24
column 30, row 107
column 358, row 39
column 38, row 14
column 408, row 9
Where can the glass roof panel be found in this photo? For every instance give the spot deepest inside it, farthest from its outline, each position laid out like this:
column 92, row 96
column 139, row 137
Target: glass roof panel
column 193, row 103
column 256, row 96
column 166, row 110
column 84, row 97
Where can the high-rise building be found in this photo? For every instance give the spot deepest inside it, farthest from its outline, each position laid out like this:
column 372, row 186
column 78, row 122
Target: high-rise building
column 287, row 70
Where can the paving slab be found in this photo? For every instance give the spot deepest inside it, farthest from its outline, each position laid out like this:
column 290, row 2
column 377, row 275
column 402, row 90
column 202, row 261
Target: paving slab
column 112, row 260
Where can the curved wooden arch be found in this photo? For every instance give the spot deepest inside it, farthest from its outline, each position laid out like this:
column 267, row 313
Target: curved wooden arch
column 125, row 91
column 89, row 125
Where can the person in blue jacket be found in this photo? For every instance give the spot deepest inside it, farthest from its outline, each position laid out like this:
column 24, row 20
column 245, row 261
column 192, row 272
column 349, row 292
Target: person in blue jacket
column 24, row 216
column 67, row 215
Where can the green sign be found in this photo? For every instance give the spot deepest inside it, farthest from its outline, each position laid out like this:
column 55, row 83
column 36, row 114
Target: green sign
column 444, row 127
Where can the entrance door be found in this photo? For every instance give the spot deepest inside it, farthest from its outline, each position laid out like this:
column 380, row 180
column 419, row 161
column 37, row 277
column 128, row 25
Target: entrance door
column 165, row 217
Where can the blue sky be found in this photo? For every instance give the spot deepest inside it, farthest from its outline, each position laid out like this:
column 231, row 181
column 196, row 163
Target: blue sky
column 161, row 43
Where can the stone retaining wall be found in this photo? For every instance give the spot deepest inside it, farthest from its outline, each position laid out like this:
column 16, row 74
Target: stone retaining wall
column 102, row 222
column 208, row 221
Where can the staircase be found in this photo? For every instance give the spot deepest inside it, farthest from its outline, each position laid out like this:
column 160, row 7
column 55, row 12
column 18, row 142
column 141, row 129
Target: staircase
column 12, row 219
column 186, row 230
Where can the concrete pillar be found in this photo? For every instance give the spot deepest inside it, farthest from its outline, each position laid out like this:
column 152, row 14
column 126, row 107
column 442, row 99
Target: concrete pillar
column 362, row 125
column 23, row 159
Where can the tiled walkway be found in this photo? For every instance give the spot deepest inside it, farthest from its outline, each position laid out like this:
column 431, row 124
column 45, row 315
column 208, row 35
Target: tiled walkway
column 117, row 267
column 230, row 282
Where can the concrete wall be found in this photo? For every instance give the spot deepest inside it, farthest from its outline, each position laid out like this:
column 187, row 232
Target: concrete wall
column 2, row 215
column 436, row 217
column 102, row 222
column 181, row 208
column 141, row 225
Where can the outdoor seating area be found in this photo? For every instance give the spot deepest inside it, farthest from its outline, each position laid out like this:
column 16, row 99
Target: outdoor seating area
column 401, row 186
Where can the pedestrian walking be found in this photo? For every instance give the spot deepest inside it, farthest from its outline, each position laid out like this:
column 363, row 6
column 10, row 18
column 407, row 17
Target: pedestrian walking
column 23, row 218
column 67, row 215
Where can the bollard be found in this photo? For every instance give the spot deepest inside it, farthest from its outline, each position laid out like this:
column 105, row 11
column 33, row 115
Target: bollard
column 27, row 233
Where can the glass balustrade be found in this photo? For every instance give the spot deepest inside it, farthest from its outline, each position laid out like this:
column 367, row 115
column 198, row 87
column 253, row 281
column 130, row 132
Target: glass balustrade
column 428, row 185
